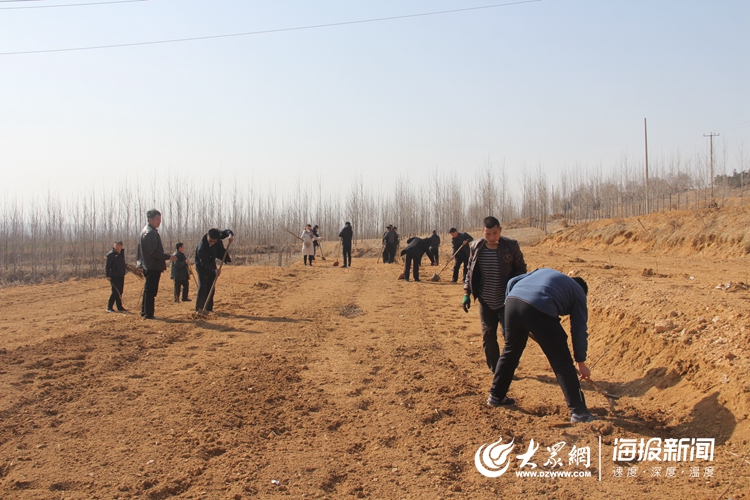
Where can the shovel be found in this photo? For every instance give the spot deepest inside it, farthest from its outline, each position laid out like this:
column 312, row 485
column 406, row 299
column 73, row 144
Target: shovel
column 436, row 276
column 335, row 264
column 203, row 311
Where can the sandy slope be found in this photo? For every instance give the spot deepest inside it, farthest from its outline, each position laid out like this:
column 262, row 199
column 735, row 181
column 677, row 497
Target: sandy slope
column 346, row 382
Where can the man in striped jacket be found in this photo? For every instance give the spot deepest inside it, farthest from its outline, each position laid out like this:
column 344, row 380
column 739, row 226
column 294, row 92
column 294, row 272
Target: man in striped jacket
column 493, row 260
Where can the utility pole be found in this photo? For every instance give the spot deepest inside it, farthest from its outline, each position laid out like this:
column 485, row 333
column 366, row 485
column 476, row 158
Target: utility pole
column 645, row 144
column 711, row 149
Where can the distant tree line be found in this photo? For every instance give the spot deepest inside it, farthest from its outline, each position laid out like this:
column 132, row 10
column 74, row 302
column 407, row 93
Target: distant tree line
column 50, row 237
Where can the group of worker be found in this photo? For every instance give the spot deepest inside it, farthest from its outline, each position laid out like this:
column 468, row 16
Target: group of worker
column 151, row 260
column 520, row 303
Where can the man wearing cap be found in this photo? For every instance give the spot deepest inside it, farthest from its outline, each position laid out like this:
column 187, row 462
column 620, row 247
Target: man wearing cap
column 152, row 259
column 460, row 241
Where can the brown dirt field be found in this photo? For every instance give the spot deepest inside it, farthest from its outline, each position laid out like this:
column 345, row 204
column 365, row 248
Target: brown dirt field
column 329, row 382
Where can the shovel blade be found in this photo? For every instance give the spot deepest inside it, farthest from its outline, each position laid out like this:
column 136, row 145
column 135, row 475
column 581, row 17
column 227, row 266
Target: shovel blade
column 435, row 277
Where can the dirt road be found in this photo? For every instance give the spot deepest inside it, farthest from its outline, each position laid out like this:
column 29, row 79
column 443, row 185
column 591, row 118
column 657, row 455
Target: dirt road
column 330, row 382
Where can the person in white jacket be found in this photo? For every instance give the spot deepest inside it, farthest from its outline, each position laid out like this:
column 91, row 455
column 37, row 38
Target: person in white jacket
column 308, row 250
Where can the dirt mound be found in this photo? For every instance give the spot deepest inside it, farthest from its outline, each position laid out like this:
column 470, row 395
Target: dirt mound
column 332, row 382
column 721, row 232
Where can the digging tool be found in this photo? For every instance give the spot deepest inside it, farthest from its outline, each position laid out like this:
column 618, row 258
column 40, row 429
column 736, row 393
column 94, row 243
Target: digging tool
column 381, row 253
column 288, row 231
column 192, row 275
column 322, row 257
column 611, row 398
column 436, row 276
column 335, row 264
column 203, row 311
column 603, row 393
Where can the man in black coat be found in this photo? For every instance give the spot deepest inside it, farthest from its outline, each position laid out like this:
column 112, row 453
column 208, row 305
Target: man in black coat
column 346, row 235
column 435, row 246
column 152, row 259
column 209, row 250
column 115, row 270
column 415, row 248
column 390, row 241
column 462, row 257
column 178, row 271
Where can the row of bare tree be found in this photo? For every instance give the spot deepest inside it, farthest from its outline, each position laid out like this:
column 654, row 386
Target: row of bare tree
column 48, row 237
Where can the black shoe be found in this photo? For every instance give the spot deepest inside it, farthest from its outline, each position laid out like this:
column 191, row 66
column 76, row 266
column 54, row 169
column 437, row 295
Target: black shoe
column 417, row 281
column 454, row 281
column 110, row 310
column 496, row 402
column 121, row 309
column 177, row 300
column 578, row 418
column 148, row 317
column 187, row 300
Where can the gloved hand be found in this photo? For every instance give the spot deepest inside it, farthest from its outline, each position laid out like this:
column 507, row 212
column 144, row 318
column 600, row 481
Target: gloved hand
column 466, row 303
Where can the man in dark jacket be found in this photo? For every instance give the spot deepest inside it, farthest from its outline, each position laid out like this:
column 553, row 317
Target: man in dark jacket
column 178, row 271
column 152, row 259
column 415, row 248
column 209, row 250
column 493, row 261
column 434, row 247
column 534, row 305
column 115, row 270
column 346, row 235
column 462, row 257
column 390, row 241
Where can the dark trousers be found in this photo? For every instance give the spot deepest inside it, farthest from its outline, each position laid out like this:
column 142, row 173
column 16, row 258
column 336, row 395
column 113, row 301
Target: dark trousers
column 408, row 260
column 461, row 258
column 207, row 278
column 311, row 258
column 118, row 285
column 347, row 251
column 150, row 289
column 181, row 284
column 389, row 253
column 434, row 252
column 491, row 319
column 522, row 319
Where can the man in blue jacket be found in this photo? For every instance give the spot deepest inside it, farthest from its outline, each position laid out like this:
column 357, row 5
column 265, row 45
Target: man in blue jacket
column 534, row 304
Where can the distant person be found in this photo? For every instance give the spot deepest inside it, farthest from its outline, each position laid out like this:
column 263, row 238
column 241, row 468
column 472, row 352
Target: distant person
column 346, row 235
column 178, row 271
column 398, row 245
column 152, row 259
column 493, row 260
column 209, row 250
column 390, row 242
column 534, row 305
column 316, row 244
column 435, row 247
column 115, row 272
column 462, row 257
column 415, row 249
column 308, row 247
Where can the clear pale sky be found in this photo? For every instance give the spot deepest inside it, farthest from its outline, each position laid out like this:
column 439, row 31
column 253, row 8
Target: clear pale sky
column 554, row 82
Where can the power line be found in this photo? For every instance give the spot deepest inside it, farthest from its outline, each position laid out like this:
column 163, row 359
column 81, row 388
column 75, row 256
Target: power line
column 63, row 5
column 264, row 32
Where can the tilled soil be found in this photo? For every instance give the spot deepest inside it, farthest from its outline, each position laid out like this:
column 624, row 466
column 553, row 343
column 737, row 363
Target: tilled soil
column 345, row 382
